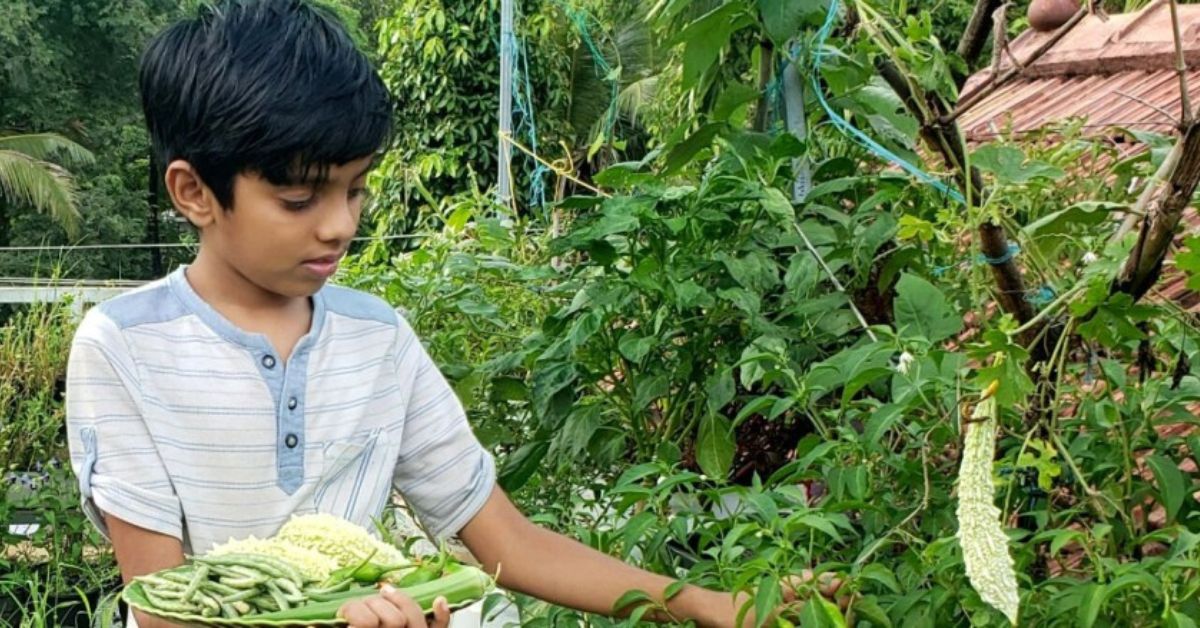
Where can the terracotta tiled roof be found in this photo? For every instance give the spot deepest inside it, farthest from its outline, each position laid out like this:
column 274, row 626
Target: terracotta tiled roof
column 1114, row 72
column 1100, row 71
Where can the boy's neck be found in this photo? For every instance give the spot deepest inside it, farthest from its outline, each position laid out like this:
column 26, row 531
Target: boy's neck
column 282, row 318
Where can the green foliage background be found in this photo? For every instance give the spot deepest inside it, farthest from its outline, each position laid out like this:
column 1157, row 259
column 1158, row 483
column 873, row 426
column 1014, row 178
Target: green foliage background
column 666, row 370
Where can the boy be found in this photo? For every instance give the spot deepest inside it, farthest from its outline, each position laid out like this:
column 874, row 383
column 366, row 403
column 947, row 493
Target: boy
column 240, row 390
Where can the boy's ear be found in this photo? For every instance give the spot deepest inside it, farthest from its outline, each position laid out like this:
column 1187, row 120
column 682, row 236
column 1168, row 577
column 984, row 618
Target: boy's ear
column 193, row 198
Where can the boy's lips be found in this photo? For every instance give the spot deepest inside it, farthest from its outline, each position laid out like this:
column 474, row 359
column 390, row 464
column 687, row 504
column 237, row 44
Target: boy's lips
column 323, row 266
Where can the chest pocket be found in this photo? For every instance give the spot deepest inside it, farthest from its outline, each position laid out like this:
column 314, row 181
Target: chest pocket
column 356, row 477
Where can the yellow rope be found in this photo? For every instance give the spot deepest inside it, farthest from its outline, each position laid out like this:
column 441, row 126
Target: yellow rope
column 558, row 169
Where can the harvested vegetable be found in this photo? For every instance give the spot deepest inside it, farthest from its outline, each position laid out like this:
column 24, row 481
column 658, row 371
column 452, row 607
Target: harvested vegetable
column 339, row 539
column 984, row 544
column 311, row 563
column 275, row 582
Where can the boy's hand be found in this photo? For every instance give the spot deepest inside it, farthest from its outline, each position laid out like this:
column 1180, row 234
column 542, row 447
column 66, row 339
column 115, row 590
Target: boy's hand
column 393, row 609
column 796, row 592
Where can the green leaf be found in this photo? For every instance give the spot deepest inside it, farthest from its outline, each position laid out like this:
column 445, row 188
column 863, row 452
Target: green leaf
column 1011, row 167
column 1087, row 214
column 631, row 599
column 635, row 346
column 715, row 446
column 720, row 388
column 578, row 429
column 818, row 522
column 682, row 153
column 766, row 599
column 746, row 301
column 1188, row 260
column 706, row 37
column 40, row 185
column 868, row 608
column 763, row 349
column 673, row 589
column 832, row 613
column 583, row 329
column 1179, row 620
column 522, row 464
column 755, row 271
column 782, row 19
column 730, row 100
column 689, row 294
column 881, row 421
column 881, row 574
column 913, row 228
column 778, row 206
column 1090, row 605
column 650, row 388
column 922, row 310
column 634, row 529
column 622, row 175
column 1173, row 485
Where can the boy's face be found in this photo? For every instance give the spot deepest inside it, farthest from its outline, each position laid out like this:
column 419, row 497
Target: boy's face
column 287, row 239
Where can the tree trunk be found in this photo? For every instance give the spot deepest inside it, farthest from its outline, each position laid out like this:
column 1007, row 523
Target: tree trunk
column 975, row 37
column 1144, row 265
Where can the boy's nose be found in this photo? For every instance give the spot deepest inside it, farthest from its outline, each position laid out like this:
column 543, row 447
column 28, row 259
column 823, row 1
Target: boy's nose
column 339, row 223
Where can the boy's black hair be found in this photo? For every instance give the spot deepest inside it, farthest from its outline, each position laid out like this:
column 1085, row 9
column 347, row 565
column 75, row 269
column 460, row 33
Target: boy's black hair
column 274, row 87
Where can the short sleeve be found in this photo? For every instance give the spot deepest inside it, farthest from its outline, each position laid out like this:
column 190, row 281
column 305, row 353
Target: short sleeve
column 442, row 471
column 113, row 455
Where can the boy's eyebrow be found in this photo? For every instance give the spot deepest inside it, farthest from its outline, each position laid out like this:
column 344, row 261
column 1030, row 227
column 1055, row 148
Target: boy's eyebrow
column 314, row 179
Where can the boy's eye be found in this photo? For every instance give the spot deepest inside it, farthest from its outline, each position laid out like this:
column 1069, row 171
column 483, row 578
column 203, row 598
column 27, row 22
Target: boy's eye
column 297, row 204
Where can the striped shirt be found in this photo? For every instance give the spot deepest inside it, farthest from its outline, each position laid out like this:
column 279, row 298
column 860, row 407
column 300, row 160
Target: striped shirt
column 181, row 423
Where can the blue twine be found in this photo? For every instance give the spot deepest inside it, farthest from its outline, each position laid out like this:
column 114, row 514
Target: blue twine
column 849, row 129
column 1042, row 296
column 604, row 71
column 525, row 119
column 1013, row 249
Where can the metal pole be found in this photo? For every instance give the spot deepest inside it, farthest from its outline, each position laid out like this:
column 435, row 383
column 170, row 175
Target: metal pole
column 504, row 176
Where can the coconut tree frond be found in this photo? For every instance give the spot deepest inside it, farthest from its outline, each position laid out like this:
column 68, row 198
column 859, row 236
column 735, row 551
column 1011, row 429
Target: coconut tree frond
column 630, row 50
column 41, row 185
column 636, row 96
column 48, row 147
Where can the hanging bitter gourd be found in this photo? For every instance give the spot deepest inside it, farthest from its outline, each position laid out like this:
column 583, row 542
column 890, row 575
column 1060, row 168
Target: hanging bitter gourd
column 984, row 544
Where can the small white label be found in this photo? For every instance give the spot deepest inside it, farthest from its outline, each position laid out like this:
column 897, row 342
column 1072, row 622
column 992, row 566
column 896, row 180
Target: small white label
column 24, row 529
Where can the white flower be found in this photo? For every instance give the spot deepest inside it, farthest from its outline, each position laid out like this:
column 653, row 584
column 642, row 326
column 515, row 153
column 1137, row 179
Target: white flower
column 1090, row 258
column 904, row 364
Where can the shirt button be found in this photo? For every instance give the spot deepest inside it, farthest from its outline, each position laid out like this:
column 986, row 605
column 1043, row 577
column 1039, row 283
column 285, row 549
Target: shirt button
column 268, row 361
column 291, row 441
column 292, row 403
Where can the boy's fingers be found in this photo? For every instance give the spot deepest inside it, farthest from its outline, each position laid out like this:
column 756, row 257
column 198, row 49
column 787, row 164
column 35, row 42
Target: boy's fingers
column 414, row 617
column 829, row 584
column 793, row 584
column 358, row 615
column 441, row 613
column 390, row 616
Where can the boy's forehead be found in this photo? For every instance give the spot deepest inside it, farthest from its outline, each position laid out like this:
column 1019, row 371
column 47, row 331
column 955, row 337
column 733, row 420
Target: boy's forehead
column 319, row 174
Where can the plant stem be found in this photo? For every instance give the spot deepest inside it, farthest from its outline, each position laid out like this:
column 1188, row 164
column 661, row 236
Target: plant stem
column 1185, row 100
column 836, row 284
column 1046, row 311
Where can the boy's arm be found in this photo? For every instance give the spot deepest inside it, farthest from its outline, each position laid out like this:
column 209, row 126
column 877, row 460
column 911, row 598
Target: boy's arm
column 554, row 568
column 140, row 551
column 126, row 490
